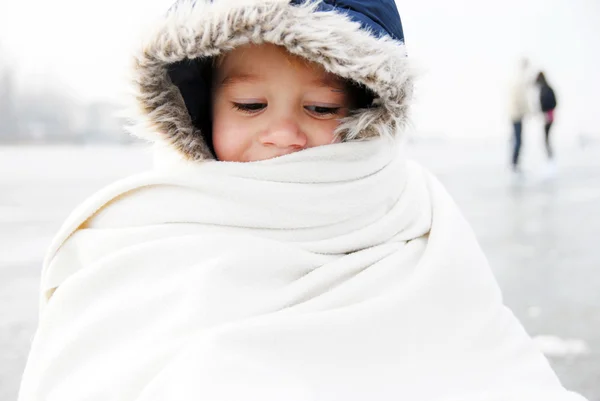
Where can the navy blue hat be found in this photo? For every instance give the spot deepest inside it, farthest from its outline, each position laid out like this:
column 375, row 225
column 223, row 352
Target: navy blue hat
column 380, row 17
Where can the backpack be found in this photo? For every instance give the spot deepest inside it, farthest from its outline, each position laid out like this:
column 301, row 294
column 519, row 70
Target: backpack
column 547, row 98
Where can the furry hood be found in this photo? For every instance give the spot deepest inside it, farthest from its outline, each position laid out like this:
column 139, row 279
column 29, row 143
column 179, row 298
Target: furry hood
column 356, row 40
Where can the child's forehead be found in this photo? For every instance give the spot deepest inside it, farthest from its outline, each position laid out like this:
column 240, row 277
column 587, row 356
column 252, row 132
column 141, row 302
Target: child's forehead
column 258, row 62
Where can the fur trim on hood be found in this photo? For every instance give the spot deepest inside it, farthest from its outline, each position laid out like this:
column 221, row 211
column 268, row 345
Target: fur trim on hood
column 203, row 29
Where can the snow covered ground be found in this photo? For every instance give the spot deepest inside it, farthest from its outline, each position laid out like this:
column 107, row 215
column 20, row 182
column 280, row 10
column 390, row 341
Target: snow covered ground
column 540, row 234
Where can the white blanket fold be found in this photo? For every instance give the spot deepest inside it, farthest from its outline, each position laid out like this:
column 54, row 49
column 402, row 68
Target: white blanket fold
column 337, row 273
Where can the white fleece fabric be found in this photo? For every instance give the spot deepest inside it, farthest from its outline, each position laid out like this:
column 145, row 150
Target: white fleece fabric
column 341, row 272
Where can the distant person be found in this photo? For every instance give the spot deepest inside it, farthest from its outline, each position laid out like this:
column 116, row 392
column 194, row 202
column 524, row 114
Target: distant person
column 547, row 105
column 519, row 108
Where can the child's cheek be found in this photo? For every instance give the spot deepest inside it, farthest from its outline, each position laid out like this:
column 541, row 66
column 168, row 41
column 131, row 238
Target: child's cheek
column 223, row 140
column 324, row 132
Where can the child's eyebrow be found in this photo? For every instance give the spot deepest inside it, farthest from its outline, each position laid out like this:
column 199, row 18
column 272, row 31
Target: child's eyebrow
column 334, row 83
column 238, row 78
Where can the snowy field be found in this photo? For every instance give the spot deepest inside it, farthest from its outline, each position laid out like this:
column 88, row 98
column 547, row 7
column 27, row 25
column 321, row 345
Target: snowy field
column 540, row 233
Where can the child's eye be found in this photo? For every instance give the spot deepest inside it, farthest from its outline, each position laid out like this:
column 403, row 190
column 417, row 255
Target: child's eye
column 323, row 111
column 249, row 108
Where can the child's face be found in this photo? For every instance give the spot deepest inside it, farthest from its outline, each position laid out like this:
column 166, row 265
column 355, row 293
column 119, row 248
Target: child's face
column 267, row 103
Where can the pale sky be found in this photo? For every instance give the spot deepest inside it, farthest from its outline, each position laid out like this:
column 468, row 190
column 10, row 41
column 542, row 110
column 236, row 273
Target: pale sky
column 465, row 51
column 81, row 46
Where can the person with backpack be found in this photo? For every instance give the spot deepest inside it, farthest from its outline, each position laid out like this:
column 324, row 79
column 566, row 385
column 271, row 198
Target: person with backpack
column 547, row 105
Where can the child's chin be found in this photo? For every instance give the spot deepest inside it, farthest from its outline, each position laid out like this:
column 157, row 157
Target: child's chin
column 248, row 158
column 280, row 154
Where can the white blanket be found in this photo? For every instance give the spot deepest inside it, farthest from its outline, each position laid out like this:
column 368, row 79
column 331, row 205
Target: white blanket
column 337, row 273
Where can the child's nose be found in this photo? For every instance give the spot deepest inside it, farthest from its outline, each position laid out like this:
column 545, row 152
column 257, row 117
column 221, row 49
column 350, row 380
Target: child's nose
column 285, row 134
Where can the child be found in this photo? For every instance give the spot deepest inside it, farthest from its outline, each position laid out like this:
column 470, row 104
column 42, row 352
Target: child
column 282, row 249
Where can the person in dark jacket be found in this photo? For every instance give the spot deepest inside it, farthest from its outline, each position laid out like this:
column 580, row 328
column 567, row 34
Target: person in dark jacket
column 547, row 105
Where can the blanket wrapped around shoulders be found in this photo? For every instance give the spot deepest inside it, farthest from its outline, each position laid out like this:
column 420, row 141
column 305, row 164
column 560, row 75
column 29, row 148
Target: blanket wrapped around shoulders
column 342, row 272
